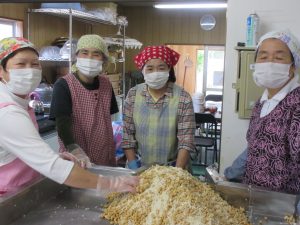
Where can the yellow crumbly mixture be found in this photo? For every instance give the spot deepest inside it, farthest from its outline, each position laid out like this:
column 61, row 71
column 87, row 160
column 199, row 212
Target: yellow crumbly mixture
column 171, row 196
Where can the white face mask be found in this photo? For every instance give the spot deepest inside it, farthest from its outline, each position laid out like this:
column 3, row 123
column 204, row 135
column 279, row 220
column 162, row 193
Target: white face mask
column 156, row 80
column 23, row 81
column 271, row 75
column 89, row 67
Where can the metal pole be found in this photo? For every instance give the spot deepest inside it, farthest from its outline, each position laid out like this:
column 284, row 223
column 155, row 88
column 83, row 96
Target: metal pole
column 123, row 67
column 70, row 40
column 28, row 18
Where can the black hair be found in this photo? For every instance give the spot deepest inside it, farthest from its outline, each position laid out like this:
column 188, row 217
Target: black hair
column 4, row 61
column 172, row 77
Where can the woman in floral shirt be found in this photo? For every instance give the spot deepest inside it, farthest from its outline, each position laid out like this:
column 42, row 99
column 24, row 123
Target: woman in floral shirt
column 273, row 151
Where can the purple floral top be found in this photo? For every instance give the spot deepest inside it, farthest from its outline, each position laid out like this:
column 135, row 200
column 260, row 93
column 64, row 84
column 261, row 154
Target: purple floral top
column 274, row 146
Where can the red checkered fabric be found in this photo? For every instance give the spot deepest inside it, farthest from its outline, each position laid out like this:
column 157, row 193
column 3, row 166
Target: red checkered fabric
column 169, row 56
column 91, row 120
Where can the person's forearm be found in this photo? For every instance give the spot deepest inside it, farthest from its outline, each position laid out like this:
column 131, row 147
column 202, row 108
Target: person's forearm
column 182, row 158
column 81, row 178
column 64, row 130
column 238, row 168
column 130, row 154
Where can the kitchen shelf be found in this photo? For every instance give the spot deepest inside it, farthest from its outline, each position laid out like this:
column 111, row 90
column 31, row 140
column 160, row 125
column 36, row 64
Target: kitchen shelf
column 53, row 59
column 78, row 15
column 85, row 17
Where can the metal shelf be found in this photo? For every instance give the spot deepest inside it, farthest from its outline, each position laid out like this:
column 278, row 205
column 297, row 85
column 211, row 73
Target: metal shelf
column 53, row 59
column 79, row 15
column 239, row 48
column 71, row 14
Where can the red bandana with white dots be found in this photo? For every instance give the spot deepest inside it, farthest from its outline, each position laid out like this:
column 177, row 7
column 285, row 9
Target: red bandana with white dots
column 169, row 56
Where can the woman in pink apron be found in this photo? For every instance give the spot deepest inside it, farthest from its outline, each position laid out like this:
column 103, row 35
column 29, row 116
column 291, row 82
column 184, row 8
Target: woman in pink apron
column 23, row 154
column 17, row 174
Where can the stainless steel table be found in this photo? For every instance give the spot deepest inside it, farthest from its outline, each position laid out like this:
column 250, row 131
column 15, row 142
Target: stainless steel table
column 48, row 203
column 71, row 206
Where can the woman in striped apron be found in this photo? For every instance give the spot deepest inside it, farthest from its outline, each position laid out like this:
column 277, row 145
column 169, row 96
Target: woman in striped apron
column 158, row 115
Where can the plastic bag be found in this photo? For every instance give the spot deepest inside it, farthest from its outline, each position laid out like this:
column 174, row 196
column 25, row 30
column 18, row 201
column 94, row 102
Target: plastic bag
column 65, row 50
column 50, row 52
column 118, row 134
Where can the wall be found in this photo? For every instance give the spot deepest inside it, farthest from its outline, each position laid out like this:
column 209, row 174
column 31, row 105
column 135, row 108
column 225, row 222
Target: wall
column 186, row 75
column 150, row 26
column 153, row 27
column 44, row 28
column 273, row 15
column 17, row 12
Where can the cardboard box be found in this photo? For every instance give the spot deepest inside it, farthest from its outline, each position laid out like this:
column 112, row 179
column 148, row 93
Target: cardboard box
column 102, row 5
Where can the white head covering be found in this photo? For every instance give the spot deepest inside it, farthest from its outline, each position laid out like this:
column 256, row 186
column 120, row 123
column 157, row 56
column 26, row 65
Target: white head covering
column 289, row 39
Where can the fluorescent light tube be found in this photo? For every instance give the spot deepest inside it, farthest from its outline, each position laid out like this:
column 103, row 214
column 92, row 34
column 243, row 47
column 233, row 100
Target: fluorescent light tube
column 192, row 6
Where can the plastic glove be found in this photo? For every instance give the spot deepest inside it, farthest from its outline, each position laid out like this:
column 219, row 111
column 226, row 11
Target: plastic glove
column 108, row 184
column 68, row 156
column 134, row 164
column 82, row 158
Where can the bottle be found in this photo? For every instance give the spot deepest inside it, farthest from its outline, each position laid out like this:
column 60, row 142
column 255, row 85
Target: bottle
column 252, row 30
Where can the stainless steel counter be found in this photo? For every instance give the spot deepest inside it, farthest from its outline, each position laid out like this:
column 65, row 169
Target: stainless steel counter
column 263, row 207
column 71, row 206
column 16, row 206
column 48, row 203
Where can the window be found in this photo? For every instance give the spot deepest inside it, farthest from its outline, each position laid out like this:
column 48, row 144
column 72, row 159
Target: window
column 210, row 69
column 10, row 28
column 204, row 72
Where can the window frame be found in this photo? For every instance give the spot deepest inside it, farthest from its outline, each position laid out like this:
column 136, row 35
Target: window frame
column 16, row 24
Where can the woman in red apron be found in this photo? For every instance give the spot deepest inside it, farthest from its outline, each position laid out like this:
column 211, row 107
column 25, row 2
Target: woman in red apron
column 23, row 154
column 82, row 104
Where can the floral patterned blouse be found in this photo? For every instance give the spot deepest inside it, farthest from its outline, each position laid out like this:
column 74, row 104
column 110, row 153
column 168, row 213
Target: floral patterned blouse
column 274, row 146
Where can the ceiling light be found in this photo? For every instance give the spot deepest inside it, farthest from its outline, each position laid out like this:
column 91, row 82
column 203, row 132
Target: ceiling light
column 192, row 6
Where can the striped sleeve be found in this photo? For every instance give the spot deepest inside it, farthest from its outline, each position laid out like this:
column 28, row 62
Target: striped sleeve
column 186, row 122
column 128, row 140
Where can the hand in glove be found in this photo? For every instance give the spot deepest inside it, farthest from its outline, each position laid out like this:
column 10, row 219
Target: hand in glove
column 82, row 158
column 108, row 184
column 68, row 156
column 134, row 164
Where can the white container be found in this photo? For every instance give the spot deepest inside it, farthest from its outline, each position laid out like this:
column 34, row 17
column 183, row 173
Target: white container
column 252, row 30
column 198, row 102
column 74, row 5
